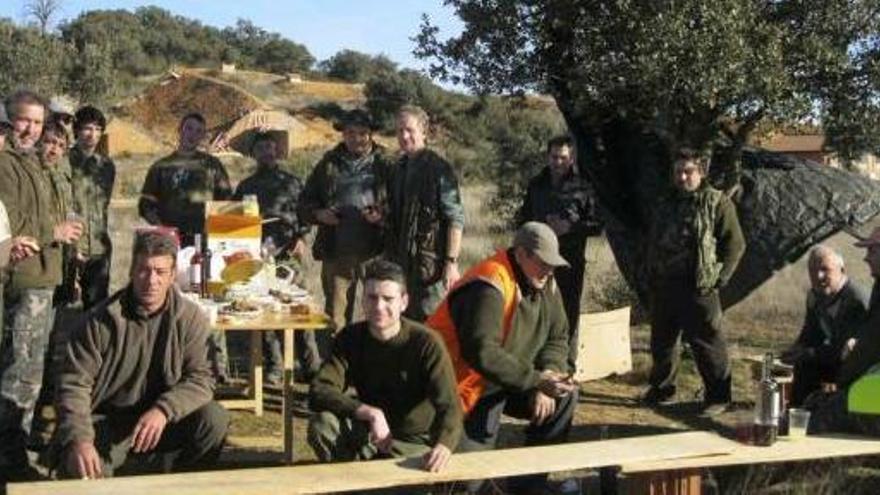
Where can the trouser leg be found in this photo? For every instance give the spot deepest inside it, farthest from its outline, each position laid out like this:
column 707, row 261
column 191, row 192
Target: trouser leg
column 806, row 381
column 423, row 299
column 197, row 439
column 703, row 331
column 218, row 356
column 337, row 439
column 481, row 427
column 553, row 430
column 273, row 359
column 665, row 331
column 571, row 284
column 26, row 338
column 95, row 280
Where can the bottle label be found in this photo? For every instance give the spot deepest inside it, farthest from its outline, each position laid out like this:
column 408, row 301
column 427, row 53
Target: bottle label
column 195, row 275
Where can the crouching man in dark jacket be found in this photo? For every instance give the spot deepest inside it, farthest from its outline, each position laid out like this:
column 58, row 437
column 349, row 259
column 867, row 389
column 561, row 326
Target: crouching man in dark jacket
column 135, row 381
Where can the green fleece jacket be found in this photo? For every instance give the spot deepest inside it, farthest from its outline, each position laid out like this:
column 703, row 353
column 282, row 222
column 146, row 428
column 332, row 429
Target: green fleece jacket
column 122, row 361
column 408, row 377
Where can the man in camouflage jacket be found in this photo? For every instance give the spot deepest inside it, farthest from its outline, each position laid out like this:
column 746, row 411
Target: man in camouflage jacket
column 695, row 244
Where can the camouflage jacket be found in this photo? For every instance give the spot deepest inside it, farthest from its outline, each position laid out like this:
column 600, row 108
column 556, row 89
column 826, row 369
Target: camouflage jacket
column 34, row 209
column 92, row 187
column 424, row 202
column 177, row 187
column 695, row 237
column 278, row 194
column 573, row 200
column 321, row 190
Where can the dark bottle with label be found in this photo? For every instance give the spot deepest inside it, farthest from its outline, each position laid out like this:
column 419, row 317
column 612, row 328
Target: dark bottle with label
column 196, row 267
column 767, row 406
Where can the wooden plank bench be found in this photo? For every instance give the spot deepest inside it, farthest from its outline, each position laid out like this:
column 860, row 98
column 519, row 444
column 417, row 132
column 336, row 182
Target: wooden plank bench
column 342, row 477
column 683, row 476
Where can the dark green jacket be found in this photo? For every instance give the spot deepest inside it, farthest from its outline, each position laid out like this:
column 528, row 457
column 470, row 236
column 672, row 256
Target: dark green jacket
column 695, row 237
column 573, row 199
column 320, row 193
column 177, row 187
column 538, row 337
column 830, row 322
column 424, row 201
column 92, row 187
column 278, row 194
column 408, row 377
column 34, row 209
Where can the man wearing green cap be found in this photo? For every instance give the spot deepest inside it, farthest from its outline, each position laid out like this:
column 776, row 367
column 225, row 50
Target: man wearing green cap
column 506, row 330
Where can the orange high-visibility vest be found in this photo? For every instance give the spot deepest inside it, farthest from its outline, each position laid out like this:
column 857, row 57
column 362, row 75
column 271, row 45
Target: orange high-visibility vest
column 498, row 272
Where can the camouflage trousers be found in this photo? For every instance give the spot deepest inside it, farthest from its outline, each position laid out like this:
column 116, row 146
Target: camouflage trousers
column 28, row 320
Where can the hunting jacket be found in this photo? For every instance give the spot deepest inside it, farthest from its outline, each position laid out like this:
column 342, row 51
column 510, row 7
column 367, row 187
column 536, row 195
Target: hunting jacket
column 708, row 218
column 423, row 206
column 320, row 192
column 93, row 177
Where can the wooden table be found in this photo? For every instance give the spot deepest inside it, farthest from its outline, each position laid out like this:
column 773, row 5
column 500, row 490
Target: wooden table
column 682, row 476
column 288, row 324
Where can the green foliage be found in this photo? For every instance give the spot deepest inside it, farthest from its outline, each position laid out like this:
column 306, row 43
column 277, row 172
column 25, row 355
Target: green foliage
column 90, row 75
column 353, row 66
column 30, row 59
column 690, row 72
column 151, row 39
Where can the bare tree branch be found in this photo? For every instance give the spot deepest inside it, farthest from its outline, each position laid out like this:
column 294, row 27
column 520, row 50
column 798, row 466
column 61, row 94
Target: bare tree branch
column 43, row 11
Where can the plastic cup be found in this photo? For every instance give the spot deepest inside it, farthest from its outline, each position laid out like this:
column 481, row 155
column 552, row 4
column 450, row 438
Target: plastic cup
column 798, row 420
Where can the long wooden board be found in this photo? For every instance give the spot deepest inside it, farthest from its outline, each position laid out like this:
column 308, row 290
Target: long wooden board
column 784, row 450
column 333, row 478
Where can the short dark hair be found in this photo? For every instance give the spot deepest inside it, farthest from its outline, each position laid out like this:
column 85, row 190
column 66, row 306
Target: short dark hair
column 381, row 270
column 88, row 115
column 24, row 97
column 559, row 142
column 195, row 116
column 687, row 154
column 153, row 243
column 55, row 127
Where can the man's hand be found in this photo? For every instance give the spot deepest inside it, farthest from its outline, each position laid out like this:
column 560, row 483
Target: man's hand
column 380, row 433
column 543, row 406
column 556, row 384
column 450, row 274
column 68, row 231
column 327, row 216
column 23, row 247
column 437, row 458
column 148, row 431
column 83, row 460
column 372, row 214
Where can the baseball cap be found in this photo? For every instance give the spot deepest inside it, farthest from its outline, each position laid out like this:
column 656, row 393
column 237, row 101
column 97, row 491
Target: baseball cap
column 539, row 239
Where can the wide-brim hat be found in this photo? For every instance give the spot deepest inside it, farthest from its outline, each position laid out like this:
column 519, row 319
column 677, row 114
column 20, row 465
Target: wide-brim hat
column 539, row 239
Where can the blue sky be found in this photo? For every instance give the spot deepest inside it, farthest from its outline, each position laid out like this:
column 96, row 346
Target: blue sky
column 323, row 26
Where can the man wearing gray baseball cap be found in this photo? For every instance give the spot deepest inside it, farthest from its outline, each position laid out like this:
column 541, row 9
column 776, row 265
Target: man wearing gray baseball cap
column 505, row 327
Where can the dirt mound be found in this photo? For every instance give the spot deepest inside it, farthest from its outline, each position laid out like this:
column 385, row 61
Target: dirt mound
column 323, row 90
column 125, row 137
column 162, row 105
